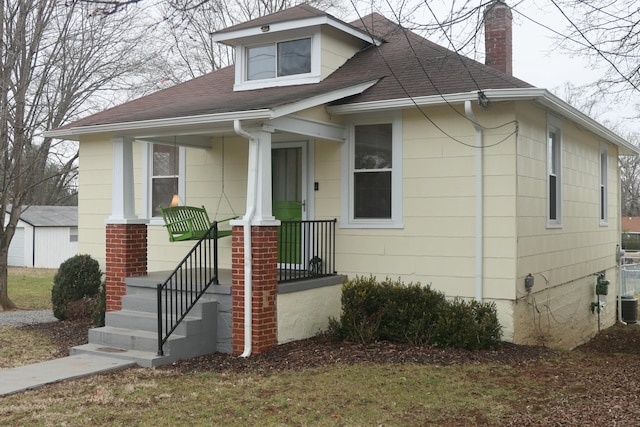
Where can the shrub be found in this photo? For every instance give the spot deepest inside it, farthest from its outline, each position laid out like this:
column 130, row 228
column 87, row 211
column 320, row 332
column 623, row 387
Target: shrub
column 78, row 278
column 390, row 310
column 99, row 306
column 470, row 325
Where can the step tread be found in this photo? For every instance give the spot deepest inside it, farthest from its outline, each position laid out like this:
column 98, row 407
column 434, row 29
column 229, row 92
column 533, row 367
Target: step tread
column 133, row 332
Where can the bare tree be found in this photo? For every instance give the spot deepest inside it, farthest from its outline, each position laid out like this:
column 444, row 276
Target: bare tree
column 55, row 62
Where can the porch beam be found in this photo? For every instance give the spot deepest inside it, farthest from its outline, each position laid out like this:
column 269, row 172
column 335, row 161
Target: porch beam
column 311, row 128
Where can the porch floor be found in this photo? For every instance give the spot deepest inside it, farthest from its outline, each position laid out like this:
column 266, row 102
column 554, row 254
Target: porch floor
column 225, row 280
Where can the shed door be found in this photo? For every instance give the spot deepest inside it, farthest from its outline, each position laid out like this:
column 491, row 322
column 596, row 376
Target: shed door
column 16, row 249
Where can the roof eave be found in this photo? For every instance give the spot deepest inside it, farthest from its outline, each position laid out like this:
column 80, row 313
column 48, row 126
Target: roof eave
column 541, row 96
column 74, row 133
column 231, row 38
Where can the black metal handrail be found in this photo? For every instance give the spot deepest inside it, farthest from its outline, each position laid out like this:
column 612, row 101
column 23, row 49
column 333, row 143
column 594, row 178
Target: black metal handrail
column 306, row 249
column 186, row 284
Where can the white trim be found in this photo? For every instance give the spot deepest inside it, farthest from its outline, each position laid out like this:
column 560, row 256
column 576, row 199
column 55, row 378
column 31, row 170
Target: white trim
column 231, row 37
column 603, row 181
column 159, row 124
column 147, row 179
column 122, row 182
column 555, row 125
column 241, row 82
column 309, row 127
column 346, row 209
column 324, row 98
column 542, row 96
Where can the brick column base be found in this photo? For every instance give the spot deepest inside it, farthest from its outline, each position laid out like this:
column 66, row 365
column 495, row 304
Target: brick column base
column 126, row 253
column 264, row 288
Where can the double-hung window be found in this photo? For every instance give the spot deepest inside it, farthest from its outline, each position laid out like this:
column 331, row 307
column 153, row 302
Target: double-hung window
column 164, row 177
column 372, row 168
column 604, row 214
column 554, row 172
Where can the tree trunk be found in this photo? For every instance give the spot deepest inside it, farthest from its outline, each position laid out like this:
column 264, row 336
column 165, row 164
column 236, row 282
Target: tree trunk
column 5, row 302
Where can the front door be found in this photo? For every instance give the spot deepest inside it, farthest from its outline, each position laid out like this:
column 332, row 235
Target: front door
column 289, row 197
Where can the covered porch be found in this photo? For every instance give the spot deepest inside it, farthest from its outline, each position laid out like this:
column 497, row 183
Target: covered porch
column 271, row 250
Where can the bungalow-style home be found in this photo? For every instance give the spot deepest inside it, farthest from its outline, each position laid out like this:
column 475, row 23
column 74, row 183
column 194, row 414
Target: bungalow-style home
column 45, row 237
column 341, row 149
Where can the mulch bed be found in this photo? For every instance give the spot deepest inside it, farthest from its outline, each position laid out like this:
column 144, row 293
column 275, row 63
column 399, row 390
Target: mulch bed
column 313, row 352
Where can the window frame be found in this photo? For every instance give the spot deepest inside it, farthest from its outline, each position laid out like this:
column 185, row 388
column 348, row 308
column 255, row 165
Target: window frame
column 147, row 186
column 603, row 187
column 348, row 219
column 242, row 81
column 554, row 171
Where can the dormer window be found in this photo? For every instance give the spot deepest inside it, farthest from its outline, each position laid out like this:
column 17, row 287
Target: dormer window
column 270, row 61
column 281, row 59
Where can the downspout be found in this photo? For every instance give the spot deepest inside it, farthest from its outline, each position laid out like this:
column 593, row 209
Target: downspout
column 619, row 251
column 252, row 181
column 479, row 200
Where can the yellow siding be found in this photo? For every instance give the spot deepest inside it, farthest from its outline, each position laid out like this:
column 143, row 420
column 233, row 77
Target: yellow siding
column 336, row 48
column 437, row 244
column 562, row 260
column 204, row 174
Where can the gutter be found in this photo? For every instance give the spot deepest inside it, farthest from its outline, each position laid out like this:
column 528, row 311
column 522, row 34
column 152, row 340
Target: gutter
column 252, row 182
column 479, row 201
column 541, row 96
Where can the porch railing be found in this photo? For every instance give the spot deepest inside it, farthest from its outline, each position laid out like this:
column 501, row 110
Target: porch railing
column 186, row 284
column 306, row 249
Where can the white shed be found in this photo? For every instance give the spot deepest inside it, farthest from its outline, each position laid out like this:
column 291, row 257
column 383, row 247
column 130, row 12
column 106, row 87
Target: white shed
column 45, row 237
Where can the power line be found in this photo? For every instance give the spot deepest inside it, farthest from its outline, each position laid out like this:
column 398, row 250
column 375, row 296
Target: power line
column 404, row 89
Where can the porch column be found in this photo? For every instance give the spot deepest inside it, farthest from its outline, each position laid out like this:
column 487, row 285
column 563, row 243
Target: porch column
column 126, row 234
column 264, row 322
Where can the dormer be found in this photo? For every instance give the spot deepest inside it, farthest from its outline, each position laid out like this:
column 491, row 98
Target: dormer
column 301, row 45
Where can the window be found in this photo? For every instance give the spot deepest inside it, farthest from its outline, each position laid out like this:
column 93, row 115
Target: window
column 279, row 59
column 372, row 171
column 164, row 176
column 604, row 214
column 374, row 195
column 73, row 234
column 554, row 173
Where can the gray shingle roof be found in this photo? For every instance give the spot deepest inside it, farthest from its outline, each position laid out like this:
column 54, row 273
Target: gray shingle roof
column 406, row 64
column 51, row 216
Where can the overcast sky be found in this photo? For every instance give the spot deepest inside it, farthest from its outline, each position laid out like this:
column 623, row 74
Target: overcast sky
column 537, row 58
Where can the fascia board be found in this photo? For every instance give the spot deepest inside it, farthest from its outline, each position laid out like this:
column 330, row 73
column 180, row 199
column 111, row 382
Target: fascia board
column 145, row 125
column 231, row 38
column 541, row 96
column 321, row 99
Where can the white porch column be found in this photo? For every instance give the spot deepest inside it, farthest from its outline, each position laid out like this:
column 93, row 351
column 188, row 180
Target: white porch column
column 122, row 193
column 264, row 205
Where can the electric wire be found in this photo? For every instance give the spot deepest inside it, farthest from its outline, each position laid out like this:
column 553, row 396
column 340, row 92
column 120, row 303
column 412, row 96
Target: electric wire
column 413, row 101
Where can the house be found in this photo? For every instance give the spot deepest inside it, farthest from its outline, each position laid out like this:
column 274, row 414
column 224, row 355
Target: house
column 45, row 237
column 436, row 168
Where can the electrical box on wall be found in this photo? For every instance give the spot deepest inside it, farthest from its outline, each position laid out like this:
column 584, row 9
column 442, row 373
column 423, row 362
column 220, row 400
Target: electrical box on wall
column 602, row 285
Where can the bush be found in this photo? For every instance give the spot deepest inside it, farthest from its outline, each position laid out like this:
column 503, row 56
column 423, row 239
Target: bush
column 390, row 310
column 78, row 278
column 470, row 325
column 99, row 307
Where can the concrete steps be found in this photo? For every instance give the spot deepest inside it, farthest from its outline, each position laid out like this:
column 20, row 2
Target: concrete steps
column 131, row 333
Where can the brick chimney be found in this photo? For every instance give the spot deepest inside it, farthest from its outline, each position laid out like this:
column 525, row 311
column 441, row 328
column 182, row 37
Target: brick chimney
column 497, row 36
